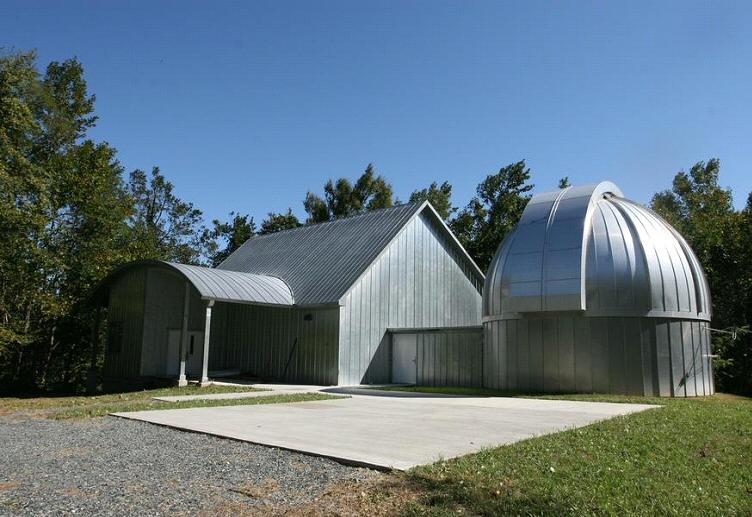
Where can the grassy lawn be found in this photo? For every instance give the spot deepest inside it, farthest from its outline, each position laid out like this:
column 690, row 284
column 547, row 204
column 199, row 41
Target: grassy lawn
column 691, row 457
column 99, row 405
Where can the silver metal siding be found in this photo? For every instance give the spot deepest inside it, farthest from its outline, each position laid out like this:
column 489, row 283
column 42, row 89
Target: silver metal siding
column 663, row 358
column 616, row 356
column 550, row 355
column 399, row 291
column 260, row 340
column 639, row 356
column 126, row 308
column 523, row 356
column 163, row 310
column 582, row 359
column 450, row 357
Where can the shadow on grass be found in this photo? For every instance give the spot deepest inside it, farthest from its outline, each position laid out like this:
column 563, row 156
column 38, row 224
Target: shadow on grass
column 444, row 496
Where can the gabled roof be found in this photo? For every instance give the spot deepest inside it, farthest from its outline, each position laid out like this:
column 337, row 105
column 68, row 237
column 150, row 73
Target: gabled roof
column 320, row 262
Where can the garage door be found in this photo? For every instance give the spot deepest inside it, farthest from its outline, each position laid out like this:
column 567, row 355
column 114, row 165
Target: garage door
column 404, row 358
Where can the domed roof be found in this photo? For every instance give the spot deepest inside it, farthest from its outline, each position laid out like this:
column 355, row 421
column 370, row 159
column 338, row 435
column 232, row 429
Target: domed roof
column 589, row 249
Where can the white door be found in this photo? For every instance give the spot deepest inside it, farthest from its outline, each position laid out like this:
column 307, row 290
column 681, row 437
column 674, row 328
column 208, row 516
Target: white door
column 195, row 361
column 195, row 354
column 404, row 358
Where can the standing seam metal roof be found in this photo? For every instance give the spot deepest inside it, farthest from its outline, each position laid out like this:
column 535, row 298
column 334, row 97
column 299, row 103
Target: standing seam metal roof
column 224, row 286
column 233, row 286
column 320, row 262
column 589, row 249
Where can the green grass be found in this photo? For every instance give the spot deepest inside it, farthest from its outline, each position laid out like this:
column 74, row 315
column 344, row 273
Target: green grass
column 690, row 457
column 63, row 407
column 145, row 405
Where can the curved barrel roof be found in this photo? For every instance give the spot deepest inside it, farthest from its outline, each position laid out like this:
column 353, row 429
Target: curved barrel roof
column 589, row 249
column 222, row 285
column 234, row 286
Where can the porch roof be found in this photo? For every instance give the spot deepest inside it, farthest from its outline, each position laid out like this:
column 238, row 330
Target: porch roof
column 221, row 285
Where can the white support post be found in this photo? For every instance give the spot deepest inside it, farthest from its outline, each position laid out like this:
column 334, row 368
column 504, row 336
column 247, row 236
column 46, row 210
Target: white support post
column 182, row 380
column 207, row 335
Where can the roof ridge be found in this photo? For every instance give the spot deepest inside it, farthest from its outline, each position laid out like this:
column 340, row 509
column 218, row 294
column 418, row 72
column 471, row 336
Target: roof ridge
column 338, row 220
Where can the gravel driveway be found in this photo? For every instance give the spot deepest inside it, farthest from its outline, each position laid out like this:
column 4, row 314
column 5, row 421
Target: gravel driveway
column 109, row 466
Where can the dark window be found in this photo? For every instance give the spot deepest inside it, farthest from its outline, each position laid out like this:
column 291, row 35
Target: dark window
column 114, row 337
column 308, row 317
column 191, row 349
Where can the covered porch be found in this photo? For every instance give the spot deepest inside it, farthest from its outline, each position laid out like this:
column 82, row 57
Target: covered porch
column 158, row 316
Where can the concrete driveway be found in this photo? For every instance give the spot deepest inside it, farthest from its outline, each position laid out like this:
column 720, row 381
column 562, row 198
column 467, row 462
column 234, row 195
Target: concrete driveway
column 385, row 431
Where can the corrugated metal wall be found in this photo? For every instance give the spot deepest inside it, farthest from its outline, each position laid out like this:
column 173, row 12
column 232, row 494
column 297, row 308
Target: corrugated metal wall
column 261, row 341
column 125, row 316
column 450, row 357
column 164, row 311
column 418, row 282
column 146, row 302
column 640, row 356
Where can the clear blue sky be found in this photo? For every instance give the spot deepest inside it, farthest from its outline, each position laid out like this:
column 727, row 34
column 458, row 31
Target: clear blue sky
column 247, row 105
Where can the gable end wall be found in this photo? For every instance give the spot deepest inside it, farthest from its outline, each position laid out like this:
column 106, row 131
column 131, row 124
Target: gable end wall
column 420, row 281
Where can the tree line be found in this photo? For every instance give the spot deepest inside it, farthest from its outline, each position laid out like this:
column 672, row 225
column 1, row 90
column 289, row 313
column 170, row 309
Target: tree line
column 70, row 214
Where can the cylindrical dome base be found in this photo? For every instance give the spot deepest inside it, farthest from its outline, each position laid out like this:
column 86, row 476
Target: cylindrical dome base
column 580, row 354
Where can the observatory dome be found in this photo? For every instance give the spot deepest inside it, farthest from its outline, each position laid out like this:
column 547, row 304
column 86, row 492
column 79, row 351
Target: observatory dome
column 597, row 277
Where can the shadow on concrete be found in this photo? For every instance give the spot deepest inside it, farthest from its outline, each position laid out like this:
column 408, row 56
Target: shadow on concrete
column 375, row 392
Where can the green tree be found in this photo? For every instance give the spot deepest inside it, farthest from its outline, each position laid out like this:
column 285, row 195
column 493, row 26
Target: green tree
column 275, row 222
column 164, row 226
column 66, row 220
column 564, row 182
column 493, row 212
column 316, row 208
column 703, row 212
column 440, row 196
column 24, row 186
column 62, row 212
column 232, row 234
column 89, row 240
column 372, row 191
column 343, row 199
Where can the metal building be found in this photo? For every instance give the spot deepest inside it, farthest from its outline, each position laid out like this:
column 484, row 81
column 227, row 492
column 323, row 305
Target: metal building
column 385, row 296
column 595, row 293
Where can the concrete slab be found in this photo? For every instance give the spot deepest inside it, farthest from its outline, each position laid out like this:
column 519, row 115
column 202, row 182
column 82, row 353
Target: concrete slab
column 389, row 432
